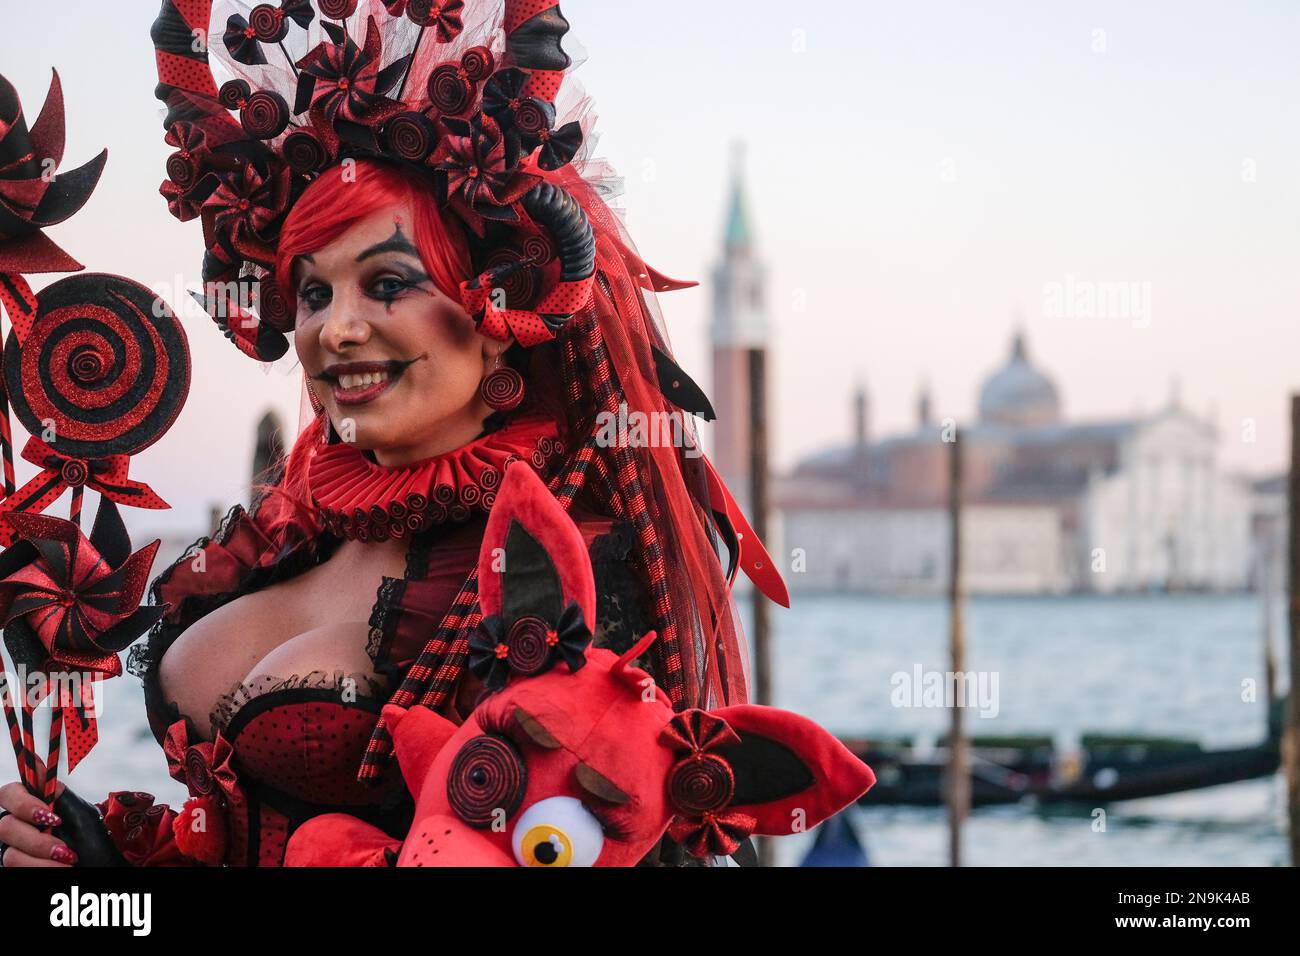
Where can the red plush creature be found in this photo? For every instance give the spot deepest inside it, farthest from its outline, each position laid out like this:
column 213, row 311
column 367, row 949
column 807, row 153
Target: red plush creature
column 574, row 757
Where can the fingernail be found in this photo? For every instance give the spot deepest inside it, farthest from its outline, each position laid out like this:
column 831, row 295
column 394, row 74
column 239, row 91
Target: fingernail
column 61, row 854
column 47, row 818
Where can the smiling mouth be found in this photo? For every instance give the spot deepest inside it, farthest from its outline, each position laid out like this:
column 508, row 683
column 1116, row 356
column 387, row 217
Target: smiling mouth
column 356, row 383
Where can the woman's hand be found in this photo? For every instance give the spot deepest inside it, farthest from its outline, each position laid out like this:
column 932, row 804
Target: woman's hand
column 20, row 830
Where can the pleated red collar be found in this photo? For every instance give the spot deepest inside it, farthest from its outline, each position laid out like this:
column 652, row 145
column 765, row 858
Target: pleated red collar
column 364, row 501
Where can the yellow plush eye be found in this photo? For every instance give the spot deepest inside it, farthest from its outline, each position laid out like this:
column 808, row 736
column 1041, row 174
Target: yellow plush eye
column 558, row 831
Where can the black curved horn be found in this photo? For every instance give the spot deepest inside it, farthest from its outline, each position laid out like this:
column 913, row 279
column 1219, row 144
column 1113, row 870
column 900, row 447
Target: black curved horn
column 553, row 208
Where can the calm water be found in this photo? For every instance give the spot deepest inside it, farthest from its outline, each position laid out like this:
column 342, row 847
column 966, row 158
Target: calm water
column 1154, row 665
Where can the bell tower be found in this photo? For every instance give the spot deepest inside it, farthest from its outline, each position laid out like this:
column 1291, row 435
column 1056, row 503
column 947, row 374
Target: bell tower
column 739, row 327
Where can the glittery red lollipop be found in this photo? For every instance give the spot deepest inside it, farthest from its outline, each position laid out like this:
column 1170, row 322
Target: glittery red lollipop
column 105, row 366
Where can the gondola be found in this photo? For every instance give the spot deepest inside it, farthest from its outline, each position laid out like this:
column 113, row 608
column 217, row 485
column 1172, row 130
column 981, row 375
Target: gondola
column 1102, row 769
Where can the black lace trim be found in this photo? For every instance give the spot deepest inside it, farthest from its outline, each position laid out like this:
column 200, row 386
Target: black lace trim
column 622, row 612
column 366, row 689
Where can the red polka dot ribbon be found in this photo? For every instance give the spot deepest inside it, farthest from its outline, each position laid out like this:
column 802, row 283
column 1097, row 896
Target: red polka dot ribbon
column 108, row 476
column 526, row 325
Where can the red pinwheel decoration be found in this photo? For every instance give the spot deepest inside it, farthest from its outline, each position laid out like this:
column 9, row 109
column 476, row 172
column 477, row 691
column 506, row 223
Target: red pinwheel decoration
column 69, row 603
column 473, row 174
column 31, row 198
column 341, row 82
column 242, row 207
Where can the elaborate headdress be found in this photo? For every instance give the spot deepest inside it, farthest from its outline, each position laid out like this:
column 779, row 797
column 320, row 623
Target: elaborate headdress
column 431, row 84
column 466, row 91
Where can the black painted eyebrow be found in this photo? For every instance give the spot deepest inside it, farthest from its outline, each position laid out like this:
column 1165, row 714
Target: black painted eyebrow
column 396, row 243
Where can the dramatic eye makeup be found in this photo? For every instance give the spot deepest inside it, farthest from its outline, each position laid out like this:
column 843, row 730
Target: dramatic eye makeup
column 397, row 270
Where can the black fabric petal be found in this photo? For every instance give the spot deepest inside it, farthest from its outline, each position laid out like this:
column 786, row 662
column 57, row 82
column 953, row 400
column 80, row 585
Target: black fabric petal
column 242, row 47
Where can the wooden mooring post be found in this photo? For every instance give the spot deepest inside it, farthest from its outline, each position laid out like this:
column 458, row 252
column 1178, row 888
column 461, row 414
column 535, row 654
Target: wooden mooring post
column 758, row 504
column 958, row 757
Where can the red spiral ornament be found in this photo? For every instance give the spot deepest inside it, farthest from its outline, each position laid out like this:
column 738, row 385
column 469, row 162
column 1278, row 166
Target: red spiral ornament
column 304, row 152
column 74, row 472
column 488, row 776
column 502, row 389
column 470, row 494
column 444, row 495
column 234, row 93
column 269, row 23
column 337, row 9
column 272, row 306
column 516, row 276
column 450, row 92
column 105, row 364
column 197, row 775
column 538, row 250
column 477, row 63
column 527, row 651
column 411, row 135
column 702, row 783
column 265, row 115
column 489, row 478
column 416, row 501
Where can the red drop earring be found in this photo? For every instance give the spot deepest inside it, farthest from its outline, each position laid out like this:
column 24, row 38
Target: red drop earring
column 502, row 388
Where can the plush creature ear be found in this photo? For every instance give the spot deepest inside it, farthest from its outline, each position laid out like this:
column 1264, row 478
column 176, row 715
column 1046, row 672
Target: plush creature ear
column 789, row 770
column 418, row 735
column 532, row 544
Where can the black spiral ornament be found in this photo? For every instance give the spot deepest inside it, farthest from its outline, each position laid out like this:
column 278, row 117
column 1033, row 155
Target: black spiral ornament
column 104, row 369
column 337, row 9
column 304, row 152
column 411, row 135
column 182, row 169
column 477, row 63
column 527, row 649
column 234, row 94
column 264, row 115
column 272, row 306
column 449, row 90
column 269, row 23
column 487, row 776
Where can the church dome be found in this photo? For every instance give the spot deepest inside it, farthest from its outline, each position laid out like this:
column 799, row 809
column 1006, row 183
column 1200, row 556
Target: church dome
column 1018, row 393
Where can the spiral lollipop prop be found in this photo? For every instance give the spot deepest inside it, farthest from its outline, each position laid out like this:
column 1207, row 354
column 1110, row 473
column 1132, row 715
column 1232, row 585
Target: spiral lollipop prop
column 96, row 369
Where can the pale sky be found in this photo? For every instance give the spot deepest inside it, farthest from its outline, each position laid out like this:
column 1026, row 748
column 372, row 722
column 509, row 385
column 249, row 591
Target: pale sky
column 918, row 174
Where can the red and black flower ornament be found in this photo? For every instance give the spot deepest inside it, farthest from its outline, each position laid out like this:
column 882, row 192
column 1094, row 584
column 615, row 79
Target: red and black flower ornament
column 240, row 210
column 71, row 601
column 342, row 82
column 474, row 178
